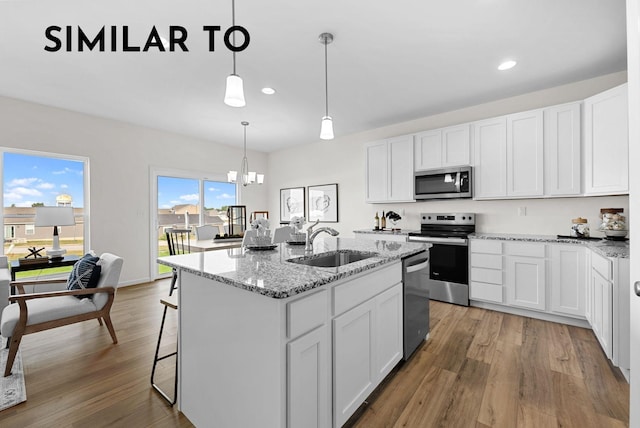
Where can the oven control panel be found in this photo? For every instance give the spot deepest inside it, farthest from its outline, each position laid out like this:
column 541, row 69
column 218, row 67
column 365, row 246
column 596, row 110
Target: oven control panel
column 448, row 218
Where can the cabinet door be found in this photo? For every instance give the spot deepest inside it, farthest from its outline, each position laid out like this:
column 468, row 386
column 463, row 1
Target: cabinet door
column 526, row 283
column 568, row 279
column 490, row 167
column 377, row 164
column 308, row 380
column 428, row 150
column 455, row 146
column 602, row 311
column 400, row 177
column 562, row 151
column 388, row 330
column 354, row 368
column 524, row 154
column 606, row 142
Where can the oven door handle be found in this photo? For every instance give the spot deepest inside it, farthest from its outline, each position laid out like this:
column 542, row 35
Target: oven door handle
column 417, row 267
column 451, row 241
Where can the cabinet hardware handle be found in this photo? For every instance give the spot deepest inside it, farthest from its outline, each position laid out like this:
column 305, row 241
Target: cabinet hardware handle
column 636, row 288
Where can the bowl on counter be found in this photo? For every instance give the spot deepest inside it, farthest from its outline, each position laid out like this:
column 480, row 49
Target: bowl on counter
column 615, row 234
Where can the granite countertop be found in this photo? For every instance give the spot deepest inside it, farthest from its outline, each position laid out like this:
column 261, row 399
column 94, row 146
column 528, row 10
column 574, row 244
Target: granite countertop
column 270, row 274
column 386, row 231
column 604, row 247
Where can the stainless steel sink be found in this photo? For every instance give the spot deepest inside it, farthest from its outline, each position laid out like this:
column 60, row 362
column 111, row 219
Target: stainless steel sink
column 333, row 258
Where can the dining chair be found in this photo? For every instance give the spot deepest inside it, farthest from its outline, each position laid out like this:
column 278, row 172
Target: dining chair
column 205, row 232
column 249, row 237
column 281, row 234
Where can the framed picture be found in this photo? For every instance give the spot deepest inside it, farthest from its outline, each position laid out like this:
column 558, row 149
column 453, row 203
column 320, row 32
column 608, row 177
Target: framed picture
column 323, row 203
column 292, row 203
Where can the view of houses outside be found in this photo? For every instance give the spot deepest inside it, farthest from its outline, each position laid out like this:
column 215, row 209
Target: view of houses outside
column 30, row 181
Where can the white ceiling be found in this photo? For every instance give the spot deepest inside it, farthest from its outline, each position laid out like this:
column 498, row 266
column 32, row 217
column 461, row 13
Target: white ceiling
column 391, row 61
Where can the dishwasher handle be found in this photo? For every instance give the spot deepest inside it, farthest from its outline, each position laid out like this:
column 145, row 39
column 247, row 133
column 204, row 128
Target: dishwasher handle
column 417, row 267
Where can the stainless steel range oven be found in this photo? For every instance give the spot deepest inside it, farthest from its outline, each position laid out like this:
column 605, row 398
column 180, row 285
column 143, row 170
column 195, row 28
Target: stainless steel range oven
column 449, row 256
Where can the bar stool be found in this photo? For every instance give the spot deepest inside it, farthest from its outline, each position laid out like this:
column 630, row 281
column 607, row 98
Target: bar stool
column 179, row 242
column 168, row 302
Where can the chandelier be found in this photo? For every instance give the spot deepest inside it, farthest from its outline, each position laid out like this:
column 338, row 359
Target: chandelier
column 246, row 177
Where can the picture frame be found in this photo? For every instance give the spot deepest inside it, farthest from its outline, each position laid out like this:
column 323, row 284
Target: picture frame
column 323, row 203
column 292, row 203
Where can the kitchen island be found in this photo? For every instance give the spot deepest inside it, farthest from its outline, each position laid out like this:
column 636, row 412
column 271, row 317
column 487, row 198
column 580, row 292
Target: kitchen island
column 271, row 343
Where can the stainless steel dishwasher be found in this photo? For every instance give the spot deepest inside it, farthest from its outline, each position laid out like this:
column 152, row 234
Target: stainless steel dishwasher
column 415, row 276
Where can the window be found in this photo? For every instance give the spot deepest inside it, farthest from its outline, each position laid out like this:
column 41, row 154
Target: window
column 43, row 179
column 185, row 201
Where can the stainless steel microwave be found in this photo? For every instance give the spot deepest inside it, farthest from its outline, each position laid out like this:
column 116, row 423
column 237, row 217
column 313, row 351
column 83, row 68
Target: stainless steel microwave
column 447, row 183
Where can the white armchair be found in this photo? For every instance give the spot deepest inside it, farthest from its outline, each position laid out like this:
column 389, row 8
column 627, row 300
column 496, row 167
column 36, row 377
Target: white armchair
column 37, row 311
column 5, row 280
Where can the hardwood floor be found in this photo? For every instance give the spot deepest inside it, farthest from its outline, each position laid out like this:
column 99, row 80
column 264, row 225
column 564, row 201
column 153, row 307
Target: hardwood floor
column 479, row 369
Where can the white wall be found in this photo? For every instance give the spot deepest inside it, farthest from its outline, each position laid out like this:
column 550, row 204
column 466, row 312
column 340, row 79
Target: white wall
column 120, row 157
column 342, row 161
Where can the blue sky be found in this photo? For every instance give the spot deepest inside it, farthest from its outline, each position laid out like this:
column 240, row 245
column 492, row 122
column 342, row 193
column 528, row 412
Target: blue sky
column 30, row 179
column 176, row 191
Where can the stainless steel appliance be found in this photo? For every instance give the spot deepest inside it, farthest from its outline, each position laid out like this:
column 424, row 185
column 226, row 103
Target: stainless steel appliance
column 444, row 183
column 448, row 279
column 415, row 269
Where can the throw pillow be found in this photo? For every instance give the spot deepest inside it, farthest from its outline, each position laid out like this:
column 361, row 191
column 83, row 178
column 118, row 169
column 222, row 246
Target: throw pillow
column 85, row 274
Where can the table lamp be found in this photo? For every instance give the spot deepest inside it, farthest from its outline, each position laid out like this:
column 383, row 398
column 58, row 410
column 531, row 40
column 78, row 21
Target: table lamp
column 55, row 216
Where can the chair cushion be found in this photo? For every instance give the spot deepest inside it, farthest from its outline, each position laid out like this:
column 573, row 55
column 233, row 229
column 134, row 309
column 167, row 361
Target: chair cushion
column 44, row 309
column 85, row 274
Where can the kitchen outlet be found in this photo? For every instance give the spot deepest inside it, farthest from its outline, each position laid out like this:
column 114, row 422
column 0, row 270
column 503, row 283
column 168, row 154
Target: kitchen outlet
column 522, row 211
column 402, row 212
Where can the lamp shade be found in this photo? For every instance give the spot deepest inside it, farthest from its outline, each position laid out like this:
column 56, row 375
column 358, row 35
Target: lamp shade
column 326, row 130
column 234, row 94
column 54, row 216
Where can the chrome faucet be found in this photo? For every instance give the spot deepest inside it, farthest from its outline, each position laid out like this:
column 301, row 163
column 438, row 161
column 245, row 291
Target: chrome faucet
column 311, row 234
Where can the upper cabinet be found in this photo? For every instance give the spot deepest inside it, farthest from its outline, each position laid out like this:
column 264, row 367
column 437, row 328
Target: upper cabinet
column 524, row 154
column 490, row 166
column 606, row 143
column 389, row 170
column 562, row 154
column 442, row 148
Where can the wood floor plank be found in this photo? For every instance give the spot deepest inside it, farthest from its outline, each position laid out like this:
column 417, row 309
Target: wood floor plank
column 529, row 417
column 535, row 375
column 562, row 354
column 484, row 341
column 511, row 330
column 499, row 406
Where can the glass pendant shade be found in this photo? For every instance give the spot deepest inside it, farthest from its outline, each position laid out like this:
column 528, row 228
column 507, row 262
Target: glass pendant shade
column 260, row 178
column 232, row 176
column 326, row 130
column 234, row 94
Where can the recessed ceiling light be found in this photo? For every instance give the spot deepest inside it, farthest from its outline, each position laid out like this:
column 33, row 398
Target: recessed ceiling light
column 268, row 91
column 507, row 65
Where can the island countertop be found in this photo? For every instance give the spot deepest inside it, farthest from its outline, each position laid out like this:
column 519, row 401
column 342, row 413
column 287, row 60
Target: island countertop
column 271, row 274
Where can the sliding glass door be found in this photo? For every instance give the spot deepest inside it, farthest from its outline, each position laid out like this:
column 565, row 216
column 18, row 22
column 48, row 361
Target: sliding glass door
column 184, row 199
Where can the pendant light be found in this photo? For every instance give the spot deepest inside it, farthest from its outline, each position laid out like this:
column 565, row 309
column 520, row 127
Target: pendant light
column 246, row 177
column 234, row 94
column 326, row 129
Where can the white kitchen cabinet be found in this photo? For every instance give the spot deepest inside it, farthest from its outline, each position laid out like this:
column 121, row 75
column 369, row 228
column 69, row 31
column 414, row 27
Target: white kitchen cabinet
column 485, row 273
column 389, row 170
column 568, row 280
column 354, row 363
column 443, row 147
column 308, row 380
column 562, row 150
column 490, row 165
column 525, row 154
column 526, row 282
column 389, row 330
column 606, row 142
column 367, row 344
column 602, row 311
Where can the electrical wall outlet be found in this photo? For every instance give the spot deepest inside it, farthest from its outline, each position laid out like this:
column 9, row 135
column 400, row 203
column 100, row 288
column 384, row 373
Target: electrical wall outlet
column 522, row 211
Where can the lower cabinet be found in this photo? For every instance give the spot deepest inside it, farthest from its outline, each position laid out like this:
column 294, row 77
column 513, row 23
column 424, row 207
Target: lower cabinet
column 601, row 316
column 367, row 344
column 526, row 282
column 308, row 380
column 569, row 279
